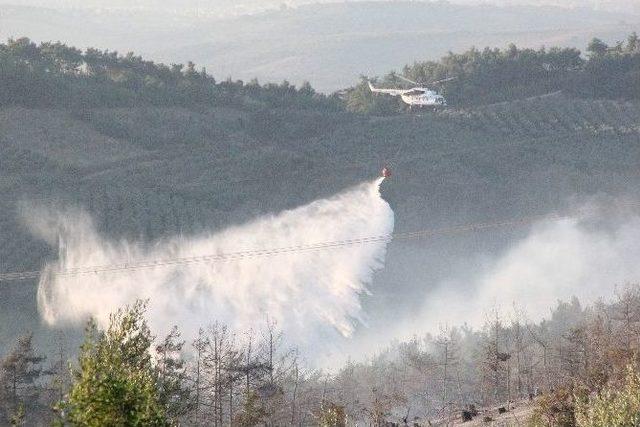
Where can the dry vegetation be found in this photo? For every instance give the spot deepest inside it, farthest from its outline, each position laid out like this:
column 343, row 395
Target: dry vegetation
column 579, row 367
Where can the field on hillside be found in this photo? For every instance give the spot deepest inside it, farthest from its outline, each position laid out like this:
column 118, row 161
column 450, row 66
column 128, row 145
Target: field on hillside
column 153, row 173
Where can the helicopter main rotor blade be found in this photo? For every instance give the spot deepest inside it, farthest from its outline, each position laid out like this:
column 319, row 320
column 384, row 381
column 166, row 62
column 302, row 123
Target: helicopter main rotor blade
column 408, row 80
column 443, row 80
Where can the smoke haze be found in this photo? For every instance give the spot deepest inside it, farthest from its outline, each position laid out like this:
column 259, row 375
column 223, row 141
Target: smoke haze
column 556, row 261
column 248, row 6
column 327, row 43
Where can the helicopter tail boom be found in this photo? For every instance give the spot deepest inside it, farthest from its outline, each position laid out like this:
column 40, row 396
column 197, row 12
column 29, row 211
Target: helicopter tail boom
column 393, row 92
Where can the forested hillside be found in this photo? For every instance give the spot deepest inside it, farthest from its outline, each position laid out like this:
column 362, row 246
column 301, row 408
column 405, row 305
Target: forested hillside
column 153, row 151
column 55, row 75
column 327, row 43
column 495, row 75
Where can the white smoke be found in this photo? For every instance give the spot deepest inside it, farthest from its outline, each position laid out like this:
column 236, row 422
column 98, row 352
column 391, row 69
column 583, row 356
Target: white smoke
column 310, row 294
column 557, row 260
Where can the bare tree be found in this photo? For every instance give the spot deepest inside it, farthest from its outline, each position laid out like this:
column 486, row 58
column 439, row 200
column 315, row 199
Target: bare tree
column 221, row 359
column 173, row 388
column 19, row 374
column 199, row 346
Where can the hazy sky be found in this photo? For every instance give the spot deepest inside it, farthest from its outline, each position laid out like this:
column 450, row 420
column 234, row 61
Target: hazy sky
column 241, row 6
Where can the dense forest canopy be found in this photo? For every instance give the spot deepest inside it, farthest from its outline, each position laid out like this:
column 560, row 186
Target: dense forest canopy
column 496, row 75
column 56, row 75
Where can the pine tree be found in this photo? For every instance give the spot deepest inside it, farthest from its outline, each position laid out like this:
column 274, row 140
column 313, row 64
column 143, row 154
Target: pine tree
column 19, row 372
column 633, row 43
column 597, row 47
column 115, row 382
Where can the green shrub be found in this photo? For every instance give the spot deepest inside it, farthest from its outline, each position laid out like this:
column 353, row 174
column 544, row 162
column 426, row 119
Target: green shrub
column 555, row 409
column 614, row 406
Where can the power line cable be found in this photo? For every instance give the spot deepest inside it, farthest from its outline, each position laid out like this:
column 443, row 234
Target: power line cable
column 248, row 254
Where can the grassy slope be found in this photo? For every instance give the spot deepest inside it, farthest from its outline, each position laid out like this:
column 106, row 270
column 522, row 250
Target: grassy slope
column 158, row 172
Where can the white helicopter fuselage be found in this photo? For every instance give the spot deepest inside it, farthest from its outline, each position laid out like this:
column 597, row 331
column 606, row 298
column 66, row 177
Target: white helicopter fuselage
column 417, row 96
column 428, row 98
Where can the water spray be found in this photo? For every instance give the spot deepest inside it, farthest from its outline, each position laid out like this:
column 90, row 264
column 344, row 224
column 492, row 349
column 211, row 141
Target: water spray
column 308, row 293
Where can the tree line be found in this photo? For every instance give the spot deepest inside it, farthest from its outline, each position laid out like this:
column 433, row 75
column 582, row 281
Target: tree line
column 496, row 75
column 578, row 367
column 52, row 74
column 123, row 375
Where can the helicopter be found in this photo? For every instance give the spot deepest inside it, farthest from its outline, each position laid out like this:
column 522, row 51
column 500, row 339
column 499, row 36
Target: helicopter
column 418, row 96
